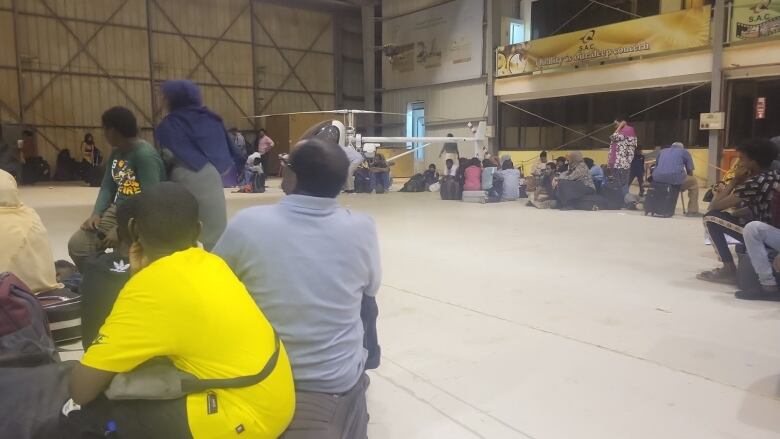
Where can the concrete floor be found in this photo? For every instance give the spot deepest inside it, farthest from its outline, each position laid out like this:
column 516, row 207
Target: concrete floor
column 502, row 321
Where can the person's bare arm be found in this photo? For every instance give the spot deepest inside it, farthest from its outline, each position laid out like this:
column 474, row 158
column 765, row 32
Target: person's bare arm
column 86, row 383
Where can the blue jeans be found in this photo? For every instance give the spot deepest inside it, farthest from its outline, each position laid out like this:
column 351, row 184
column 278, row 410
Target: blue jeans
column 759, row 236
column 382, row 178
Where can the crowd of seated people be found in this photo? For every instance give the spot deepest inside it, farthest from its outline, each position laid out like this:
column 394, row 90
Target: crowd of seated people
column 266, row 357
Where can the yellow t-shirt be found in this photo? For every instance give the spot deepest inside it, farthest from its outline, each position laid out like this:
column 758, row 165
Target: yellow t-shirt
column 190, row 307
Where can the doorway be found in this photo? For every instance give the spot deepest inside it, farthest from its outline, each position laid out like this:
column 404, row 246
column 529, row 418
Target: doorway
column 415, row 127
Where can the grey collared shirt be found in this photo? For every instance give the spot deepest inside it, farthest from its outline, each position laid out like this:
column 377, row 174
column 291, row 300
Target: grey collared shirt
column 308, row 262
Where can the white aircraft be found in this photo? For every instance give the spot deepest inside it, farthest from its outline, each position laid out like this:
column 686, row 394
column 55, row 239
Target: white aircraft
column 345, row 134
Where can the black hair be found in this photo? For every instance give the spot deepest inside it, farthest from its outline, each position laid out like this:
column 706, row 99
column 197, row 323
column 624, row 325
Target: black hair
column 166, row 215
column 550, row 165
column 543, row 154
column 122, row 120
column 507, row 164
column 475, row 162
column 588, row 162
column 124, row 212
column 449, row 161
column 320, row 167
column 27, row 133
column 621, row 118
column 761, row 151
column 257, row 161
column 261, row 130
column 432, row 166
column 561, row 159
column 61, row 264
column 89, row 136
column 233, row 129
column 488, row 163
column 449, row 134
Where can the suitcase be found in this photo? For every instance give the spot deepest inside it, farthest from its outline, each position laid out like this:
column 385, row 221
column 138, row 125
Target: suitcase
column 613, row 197
column 661, row 199
column 475, row 197
column 450, row 189
column 63, row 309
column 747, row 279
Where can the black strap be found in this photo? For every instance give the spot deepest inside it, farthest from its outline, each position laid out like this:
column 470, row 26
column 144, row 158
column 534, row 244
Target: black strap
column 197, row 386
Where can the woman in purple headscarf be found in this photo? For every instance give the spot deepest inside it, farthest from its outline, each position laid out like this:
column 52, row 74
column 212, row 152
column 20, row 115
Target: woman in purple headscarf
column 199, row 153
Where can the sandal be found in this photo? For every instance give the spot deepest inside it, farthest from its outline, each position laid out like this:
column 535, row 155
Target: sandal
column 718, row 275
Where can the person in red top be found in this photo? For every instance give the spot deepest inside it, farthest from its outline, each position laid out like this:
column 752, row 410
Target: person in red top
column 472, row 176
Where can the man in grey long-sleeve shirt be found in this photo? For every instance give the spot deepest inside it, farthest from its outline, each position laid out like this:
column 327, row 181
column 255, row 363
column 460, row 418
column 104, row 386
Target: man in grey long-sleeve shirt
column 308, row 263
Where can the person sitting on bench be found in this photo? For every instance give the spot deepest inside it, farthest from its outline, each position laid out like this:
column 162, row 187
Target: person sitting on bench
column 186, row 305
column 675, row 167
column 748, row 196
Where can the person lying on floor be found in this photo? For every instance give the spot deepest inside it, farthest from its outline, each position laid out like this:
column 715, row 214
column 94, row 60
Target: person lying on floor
column 169, row 309
column 758, row 237
column 748, row 196
column 314, row 290
column 103, row 277
column 574, row 184
column 24, row 242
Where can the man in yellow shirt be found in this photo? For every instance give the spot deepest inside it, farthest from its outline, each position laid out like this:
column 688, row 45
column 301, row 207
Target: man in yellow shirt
column 187, row 305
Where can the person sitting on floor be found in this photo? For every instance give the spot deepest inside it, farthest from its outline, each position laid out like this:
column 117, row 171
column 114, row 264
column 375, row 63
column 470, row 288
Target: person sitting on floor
column 674, row 166
column 748, row 196
column 103, row 277
column 451, row 170
column 431, row 175
column 380, row 174
column 24, row 242
column 510, row 181
column 561, row 165
column 460, row 172
column 317, row 311
column 574, row 184
column 596, row 173
column 759, row 236
column 489, row 168
column 186, row 305
column 543, row 195
column 133, row 167
column 472, row 176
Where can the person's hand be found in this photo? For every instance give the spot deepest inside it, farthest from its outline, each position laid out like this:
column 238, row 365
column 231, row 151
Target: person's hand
column 112, row 239
column 91, row 223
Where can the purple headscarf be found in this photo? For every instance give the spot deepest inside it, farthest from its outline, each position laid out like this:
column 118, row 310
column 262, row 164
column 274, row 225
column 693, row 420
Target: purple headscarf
column 192, row 132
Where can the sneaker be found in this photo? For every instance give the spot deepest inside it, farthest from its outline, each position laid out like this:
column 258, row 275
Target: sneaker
column 773, row 296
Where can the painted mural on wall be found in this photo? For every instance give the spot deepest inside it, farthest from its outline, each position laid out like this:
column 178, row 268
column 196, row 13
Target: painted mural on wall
column 686, row 29
column 754, row 19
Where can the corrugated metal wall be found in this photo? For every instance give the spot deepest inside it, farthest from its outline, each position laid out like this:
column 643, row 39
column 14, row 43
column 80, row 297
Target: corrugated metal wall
column 80, row 57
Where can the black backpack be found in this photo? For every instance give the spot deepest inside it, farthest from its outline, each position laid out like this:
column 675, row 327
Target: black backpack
column 362, row 180
column 415, row 184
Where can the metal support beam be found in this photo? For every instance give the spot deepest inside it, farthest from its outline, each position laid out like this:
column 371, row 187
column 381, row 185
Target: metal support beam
column 19, row 79
column 716, row 88
column 369, row 69
column 150, row 43
column 490, row 71
column 255, row 82
column 202, row 58
column 338, row 60
column 292, row 67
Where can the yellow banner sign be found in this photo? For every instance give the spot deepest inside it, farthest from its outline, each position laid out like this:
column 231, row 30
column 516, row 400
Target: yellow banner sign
column 686, row 29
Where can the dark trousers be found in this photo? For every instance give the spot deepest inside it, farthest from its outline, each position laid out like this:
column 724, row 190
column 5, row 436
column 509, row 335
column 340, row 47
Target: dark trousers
column 640, row 179
column 718, row 225
column 133, row 420
column 369, row 311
